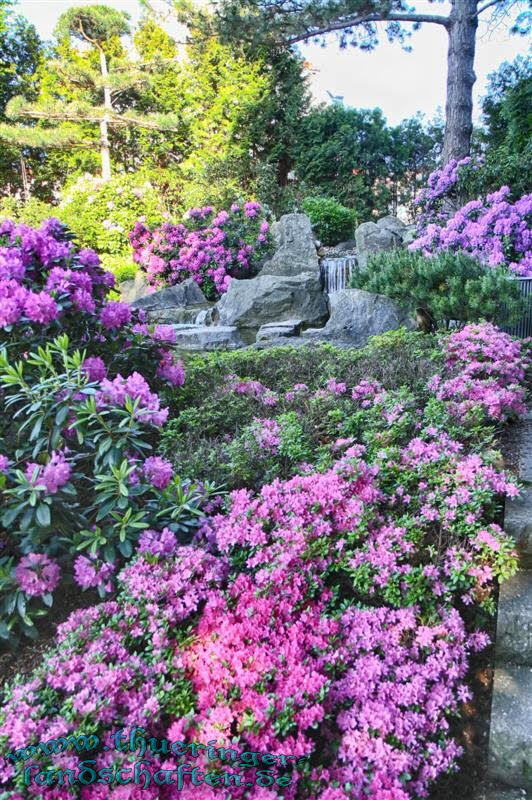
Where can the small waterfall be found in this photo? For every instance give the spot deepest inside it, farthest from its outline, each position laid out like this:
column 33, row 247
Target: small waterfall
column 337, row 272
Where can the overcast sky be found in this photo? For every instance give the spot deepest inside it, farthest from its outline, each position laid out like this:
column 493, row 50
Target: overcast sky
column 397, row 82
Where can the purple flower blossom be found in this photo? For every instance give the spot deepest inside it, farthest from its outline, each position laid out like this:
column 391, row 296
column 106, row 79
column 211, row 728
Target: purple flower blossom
column 158, row 471
column 157, row 543
column 114, row 315
column 37, row 574
column 95, row 368
column 90, row 573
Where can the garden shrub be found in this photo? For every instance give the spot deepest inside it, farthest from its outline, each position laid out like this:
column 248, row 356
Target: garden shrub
column 121, row 266
column 79, row 422
column 332, row 222
column 495, row 229
column 210, row 247
column 102, row 213
column 454, row 286
column 32, row 212
column 395, row 358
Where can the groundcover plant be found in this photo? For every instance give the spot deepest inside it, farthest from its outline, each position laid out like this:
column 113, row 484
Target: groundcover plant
column 323, row 619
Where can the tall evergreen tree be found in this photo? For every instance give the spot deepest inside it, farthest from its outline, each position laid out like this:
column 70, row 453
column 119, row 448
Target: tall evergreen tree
column 87, row 93
column 21, row 53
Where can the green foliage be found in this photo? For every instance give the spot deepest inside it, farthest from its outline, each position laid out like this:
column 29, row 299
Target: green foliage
column 21, row 54
column 350, row 154
column 102, row 213
column 332, row 222
column 93, row 24
column 121, row 266
column 213, row 433
column 505, row 142
column 32, row 213
column 453, row 286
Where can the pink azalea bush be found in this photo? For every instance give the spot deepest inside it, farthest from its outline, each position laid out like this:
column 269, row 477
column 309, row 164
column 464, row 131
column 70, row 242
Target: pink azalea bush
column 496, row 230
column 210, row 247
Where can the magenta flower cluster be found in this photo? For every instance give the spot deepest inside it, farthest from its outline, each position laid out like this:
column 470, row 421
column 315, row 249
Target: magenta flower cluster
column 136, row 388
column 51, row 477
column 486, row 369
column 496, row 230
column 49, row 284
column 210, row 247
column 90, row 572
column 37, row 574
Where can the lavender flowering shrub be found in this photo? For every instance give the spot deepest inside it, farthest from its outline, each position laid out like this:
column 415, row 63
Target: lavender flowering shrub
column 79, row 479
column 80, row 414
column 210, row 247
column 496, row 229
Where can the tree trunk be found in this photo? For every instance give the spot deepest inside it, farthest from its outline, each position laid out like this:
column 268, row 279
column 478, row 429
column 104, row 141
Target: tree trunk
column 462, row 30
column 105, row 148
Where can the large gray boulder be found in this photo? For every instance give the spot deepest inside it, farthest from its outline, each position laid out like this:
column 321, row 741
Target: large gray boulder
column 175, row 304
column 187, row 293
column 295, row 247
column 356, row 315
column 371, row 239
column 393, row 224
column 251, row 303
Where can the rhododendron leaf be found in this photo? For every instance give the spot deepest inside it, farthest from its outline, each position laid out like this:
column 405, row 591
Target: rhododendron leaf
column 47, row 599
column 21, row 603
column 43, row 515
column 126, row 548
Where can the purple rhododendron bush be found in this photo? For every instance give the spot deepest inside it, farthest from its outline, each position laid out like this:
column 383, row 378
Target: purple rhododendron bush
column 329, row 610
column 495, row 230
column 81, row 411
column 209, row 246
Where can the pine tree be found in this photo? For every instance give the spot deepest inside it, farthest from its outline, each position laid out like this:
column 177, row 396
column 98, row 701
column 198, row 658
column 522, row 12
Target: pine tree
column 90, row 88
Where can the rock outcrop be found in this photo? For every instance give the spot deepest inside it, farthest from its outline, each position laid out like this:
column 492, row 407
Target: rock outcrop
column 295, row 247
column 175, row 304
column 249, row 304
column 356, row 315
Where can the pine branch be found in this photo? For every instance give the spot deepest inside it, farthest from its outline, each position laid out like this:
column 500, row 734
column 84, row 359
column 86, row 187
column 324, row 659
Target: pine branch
column 23, row 136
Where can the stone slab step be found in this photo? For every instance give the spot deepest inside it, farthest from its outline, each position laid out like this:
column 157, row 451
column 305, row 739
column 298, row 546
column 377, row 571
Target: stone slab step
column 510, row 745
column 196, row 338
column 518, row 524
column 276, row 330
column 514, row 620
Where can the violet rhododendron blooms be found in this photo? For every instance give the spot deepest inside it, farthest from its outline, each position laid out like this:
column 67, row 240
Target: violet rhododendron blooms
column 37, row 574
column 158, row 471
column 114, row 393
column 47, row 283
column 496, row 229
column 210, row 247
column 90, row 572
column 95, row 368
